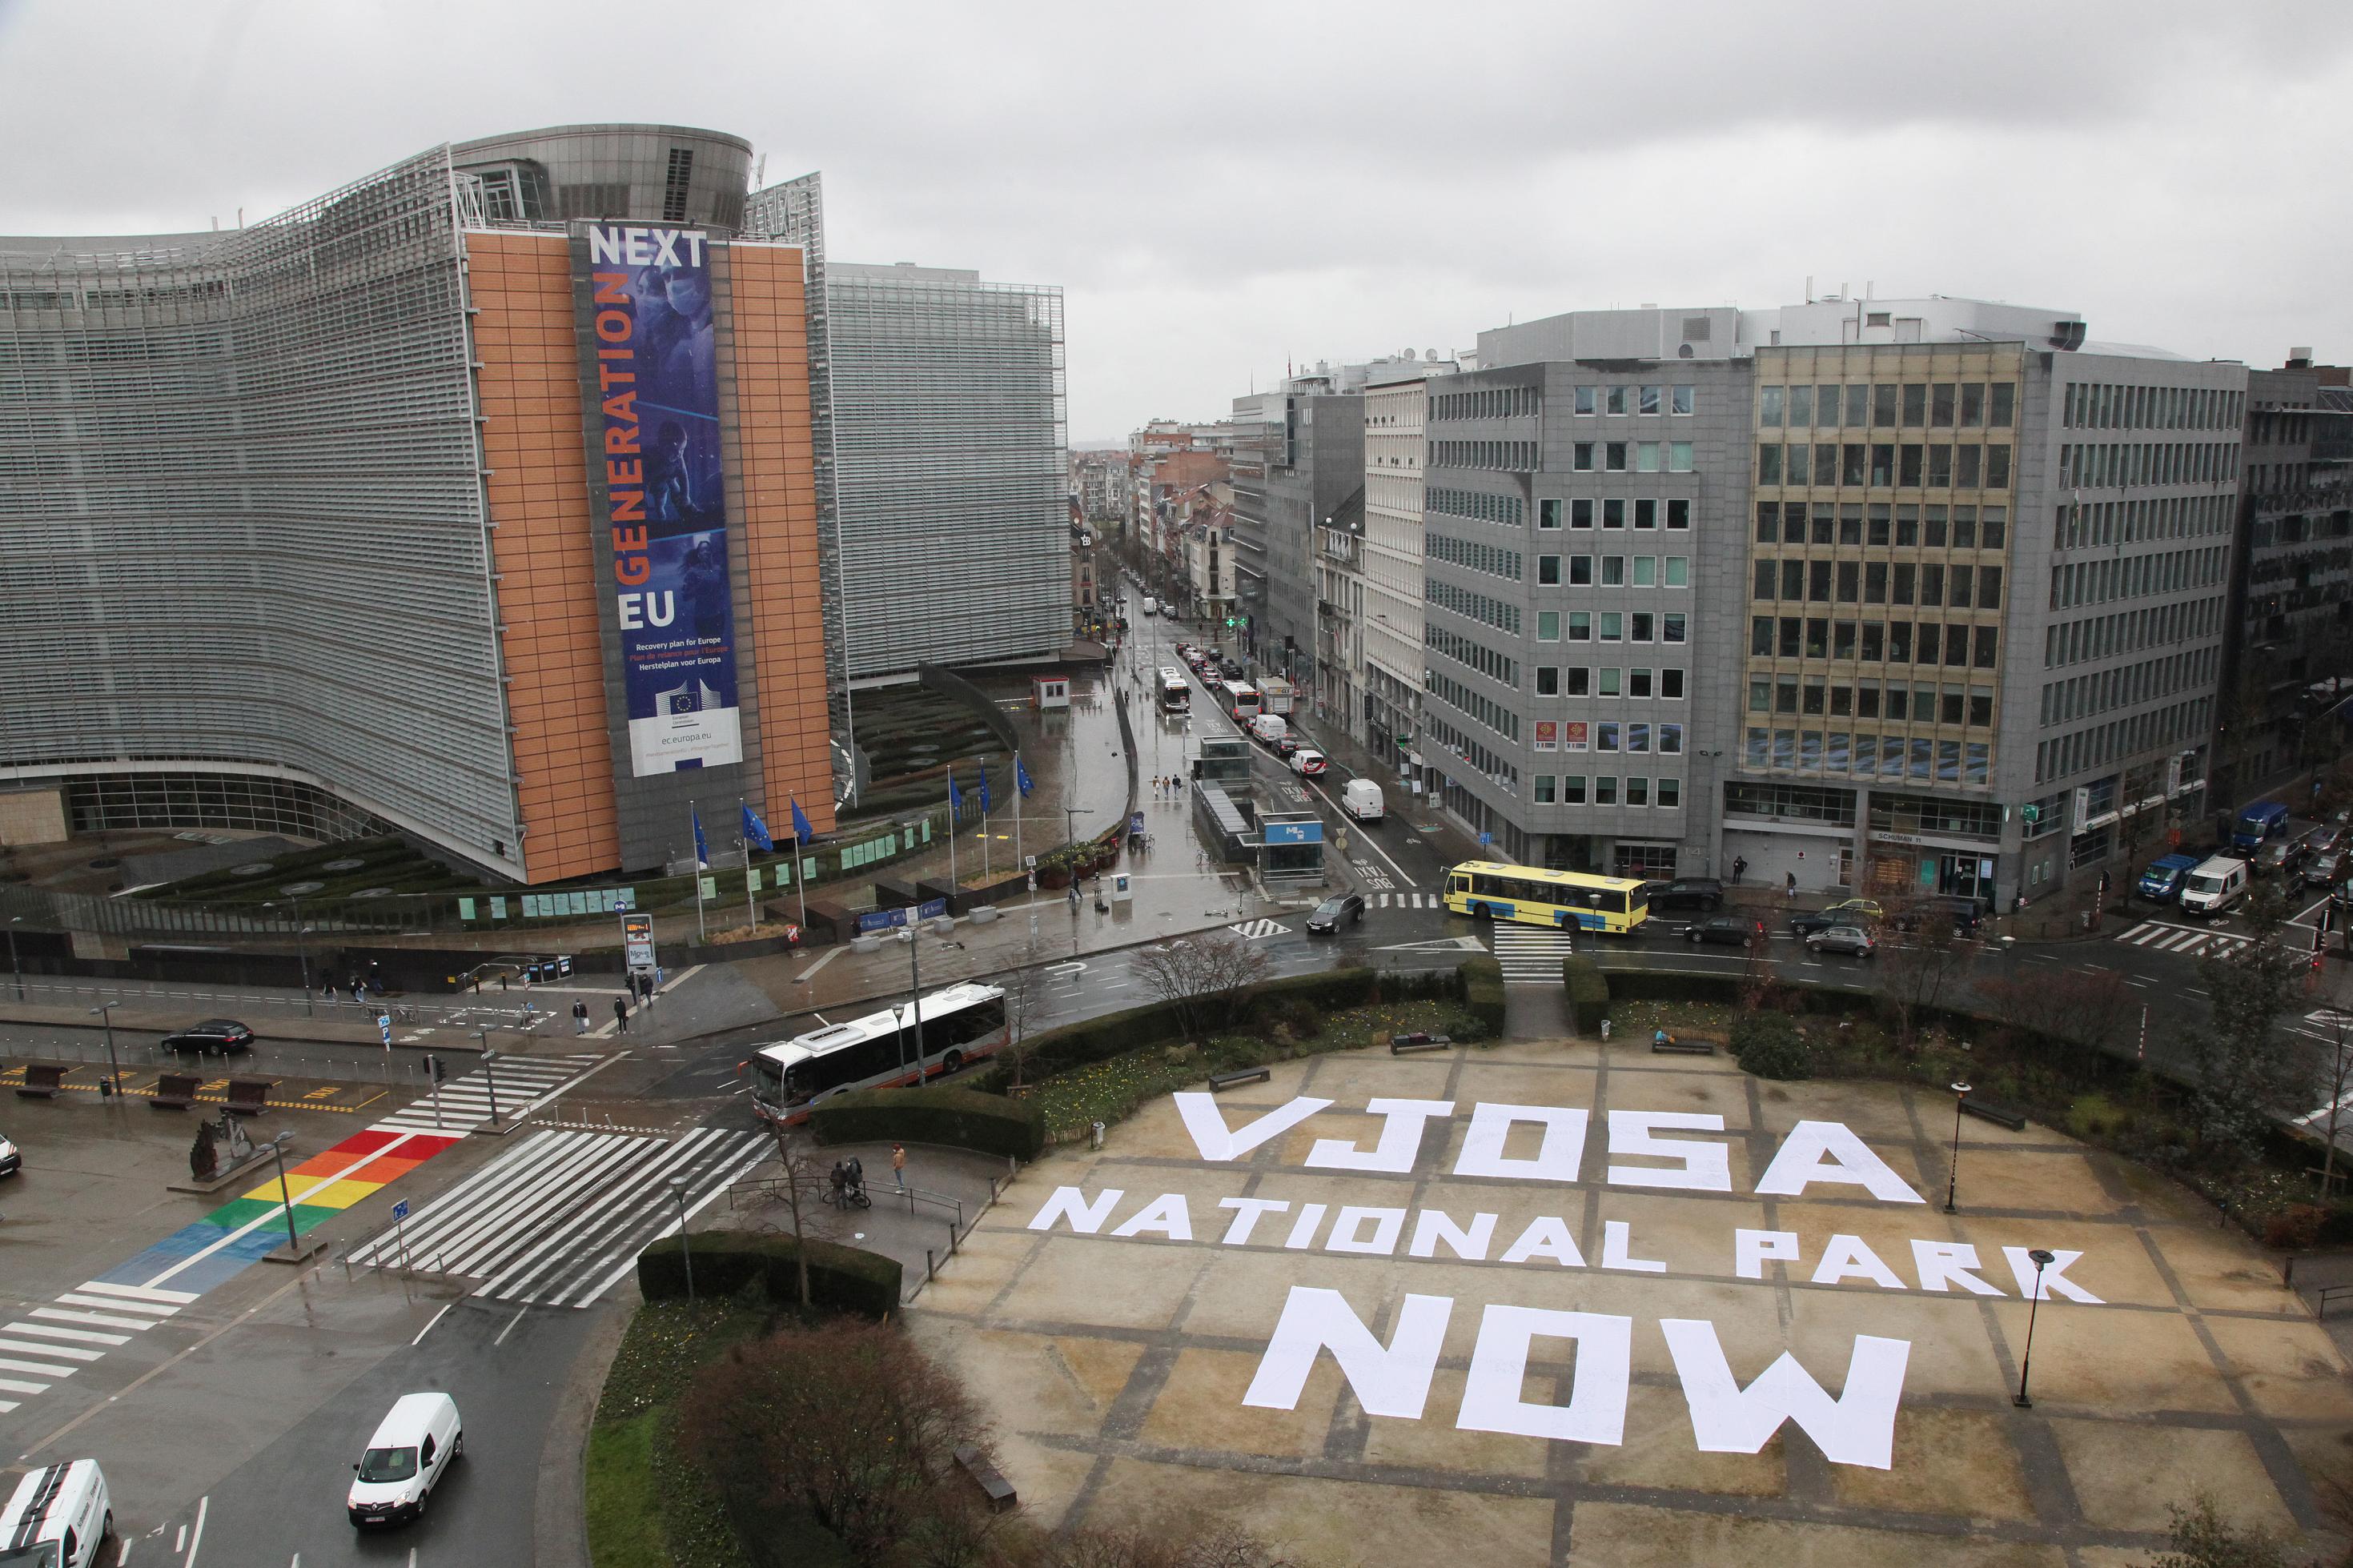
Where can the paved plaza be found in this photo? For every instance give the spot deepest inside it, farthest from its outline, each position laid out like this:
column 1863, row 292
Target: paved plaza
column 1351, row 1327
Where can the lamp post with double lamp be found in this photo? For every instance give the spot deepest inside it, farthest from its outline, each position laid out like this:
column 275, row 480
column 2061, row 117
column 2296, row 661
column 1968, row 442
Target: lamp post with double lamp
column 915, row 1001
column 489, row 1082
column 685, row 1242
column 898, row 1023
column 301, row 951
column 1953, row 1176
column 104, row 1013
column 2043, row 1259
column 285, row 1194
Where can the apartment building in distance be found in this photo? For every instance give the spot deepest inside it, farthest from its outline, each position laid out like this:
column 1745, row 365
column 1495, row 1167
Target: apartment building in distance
column 1298, row 453
column 1948, row 588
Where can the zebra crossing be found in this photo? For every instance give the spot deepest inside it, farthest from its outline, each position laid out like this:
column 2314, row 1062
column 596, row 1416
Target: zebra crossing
column 558, row 1220
column 1408, row 900
column 50, row 1344
column 518, row 1084
column 2186, row 942
column 1531, row 956
column 1248, row 929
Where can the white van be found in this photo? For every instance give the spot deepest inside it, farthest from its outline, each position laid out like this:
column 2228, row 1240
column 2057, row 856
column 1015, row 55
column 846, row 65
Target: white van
column 1361, row 798
column 413, row 1448
column 59, row 1517
column 1269, row 728
column 1151, row 605
column 2214, row 887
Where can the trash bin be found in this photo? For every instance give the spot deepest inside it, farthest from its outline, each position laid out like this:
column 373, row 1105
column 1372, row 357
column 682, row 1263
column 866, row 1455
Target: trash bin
column 1095, row 1135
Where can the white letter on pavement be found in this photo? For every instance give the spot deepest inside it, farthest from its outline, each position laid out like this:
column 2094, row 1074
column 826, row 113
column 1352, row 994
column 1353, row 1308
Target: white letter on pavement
column 1847, row 1258
column 1704, row 1167
column 1546, row 1237
column 1557, row 1158
column 1068, row 1203
column 1206, row 1123
column 1615, row 1241
column 1858, row 1428
column 1751, row 1249
column 1166, row 1214
column 1829, row 1152
column 2055, row 1280
column 1246, row 1212
column 1400, row 1138
column 1431, row 1227
column 1345, row 1237
column 1391, row 1381
column 1596, row 1411
column 1942, row 1264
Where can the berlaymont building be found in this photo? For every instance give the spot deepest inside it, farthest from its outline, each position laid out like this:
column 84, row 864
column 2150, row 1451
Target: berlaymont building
column 510, row 498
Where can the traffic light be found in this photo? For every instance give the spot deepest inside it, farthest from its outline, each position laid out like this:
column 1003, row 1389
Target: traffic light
column 434, row 1066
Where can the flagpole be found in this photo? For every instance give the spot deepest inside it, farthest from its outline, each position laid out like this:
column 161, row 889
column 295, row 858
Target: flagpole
column 800, row 873
column 1019, row 860
column 984, row 824
column 750, row 910
column 954, row 823
column 694, row 815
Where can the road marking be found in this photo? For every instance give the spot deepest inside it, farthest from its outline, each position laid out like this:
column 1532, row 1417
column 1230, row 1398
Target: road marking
column 1064, row 971
column 428, row 1328
column 204, row 1505
column 804, row 978
column 1362, row 837
column 68, row 1351
column 1250, row 930
column 510, row 1328
column 1530, row 955
column 80, row 1336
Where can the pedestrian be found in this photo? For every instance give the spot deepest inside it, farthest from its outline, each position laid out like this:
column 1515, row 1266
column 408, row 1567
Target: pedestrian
column 359, row 989
column 1793, row 887
column 580, row 1017
column 1074, row 895
column 621, row 1013
column 334, row 997
column 1739, row 867
column 899, row 1165
column 503, row 979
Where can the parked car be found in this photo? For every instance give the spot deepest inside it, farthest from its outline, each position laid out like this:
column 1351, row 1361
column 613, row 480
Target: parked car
column 2322, row 839
column 1341, row 908
column 1685, row 893
column 1965, row 914
column 1728, row 931
column 11, row 1159
column 2278, row 855
column 1851, row 940
column 1857, row 910
column 213, row 1037
column 1808, row 923
column 2325, row 868
column 1307, row 763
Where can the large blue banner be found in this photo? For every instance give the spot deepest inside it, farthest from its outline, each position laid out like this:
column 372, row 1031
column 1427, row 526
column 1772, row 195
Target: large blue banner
column 654, row 351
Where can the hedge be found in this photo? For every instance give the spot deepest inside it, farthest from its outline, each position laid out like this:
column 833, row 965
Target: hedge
column 847, row 1279
column 1588, row 992
column 1483, row 992
column 937, row 1113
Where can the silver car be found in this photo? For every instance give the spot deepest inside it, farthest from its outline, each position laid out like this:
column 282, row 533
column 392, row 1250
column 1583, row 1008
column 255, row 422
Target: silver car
column 1851, row 940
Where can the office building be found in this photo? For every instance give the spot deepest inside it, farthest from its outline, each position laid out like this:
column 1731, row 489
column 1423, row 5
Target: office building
column 1389, row 621
column 1298, row 452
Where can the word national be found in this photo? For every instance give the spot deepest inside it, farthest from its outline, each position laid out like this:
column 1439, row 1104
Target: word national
column 1393, row 1380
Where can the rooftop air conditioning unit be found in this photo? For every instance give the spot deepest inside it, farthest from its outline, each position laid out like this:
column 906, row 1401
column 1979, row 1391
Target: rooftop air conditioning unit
column 2067, row 336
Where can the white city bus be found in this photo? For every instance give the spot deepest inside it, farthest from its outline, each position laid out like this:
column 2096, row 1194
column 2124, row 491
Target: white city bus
column 1242, row 701
column 961, row 1024
column 1176, row 697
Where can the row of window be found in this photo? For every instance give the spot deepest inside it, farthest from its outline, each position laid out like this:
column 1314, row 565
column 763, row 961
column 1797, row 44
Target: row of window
column 1615, row 511
column 2126, row 686
column 2105, row 406
column 1871, row 756
column 1610, row 626
column 1507, row 456
column 1614, row 400
column 1505, row 509
column 2105, row 743
column 1463, row 651
column 1471, row 751
column 1879, row 582
column 1645, row 571
column 1646, row 457
column 1487, row 403
column 1872, row 642
column 1570, row 790
column 1608, row 735
column 1879, row 524
column 1477, row 607
column 1473, row 556
column 1485, row 709
column 2155, row 517
column 2130, row 576
column 2097, row 636
column 2149, row 463
column 1789, row 802
column 1886, row 405
column 1882, row 465
column 1608, row 680
column 1919, row 703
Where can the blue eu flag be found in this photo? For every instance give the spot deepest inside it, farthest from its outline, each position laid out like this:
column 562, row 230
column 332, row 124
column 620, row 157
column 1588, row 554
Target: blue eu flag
column 985, row 806
column 955, row 796
column 755, row 833
column 701, row 849
column 1020, row 774
column 802, row 831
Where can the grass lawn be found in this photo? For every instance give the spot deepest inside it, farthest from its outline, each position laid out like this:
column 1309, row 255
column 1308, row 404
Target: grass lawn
column 646, row 1506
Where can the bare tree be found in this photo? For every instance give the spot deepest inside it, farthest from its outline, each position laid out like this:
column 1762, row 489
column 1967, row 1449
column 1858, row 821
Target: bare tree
column 1025, row 997
column 2329, row 1036
column 802, row 1178
column 2091, row 1007
column 1923, row 967
column 2245, row 1071
column 1202, row 977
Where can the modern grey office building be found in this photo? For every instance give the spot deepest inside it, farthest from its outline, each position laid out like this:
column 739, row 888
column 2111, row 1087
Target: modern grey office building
column 1299, row 453
column 1956, row 585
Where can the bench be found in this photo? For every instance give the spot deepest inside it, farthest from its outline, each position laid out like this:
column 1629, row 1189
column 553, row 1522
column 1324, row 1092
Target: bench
column 1219, row 1080
column 174, row 1091
column 42, row 1080
column 2001, row 1115
column 1420, row 1040
column 1672, row 1046
column 990, row 1479
column 248, row 1096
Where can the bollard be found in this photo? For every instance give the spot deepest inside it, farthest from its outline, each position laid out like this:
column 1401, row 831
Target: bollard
column 1095, row 1135
column 930, row 1266
column 951, row 1241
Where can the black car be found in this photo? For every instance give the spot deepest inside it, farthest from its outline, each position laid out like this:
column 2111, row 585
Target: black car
column 1341, row 908
column 1807, row 922
column 213, row 1037
column 1728, row 931
column 1685, row 893
column 1231, row 669
column 1967, row 915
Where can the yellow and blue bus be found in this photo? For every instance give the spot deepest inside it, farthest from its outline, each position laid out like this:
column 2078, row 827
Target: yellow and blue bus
column 1532, row 895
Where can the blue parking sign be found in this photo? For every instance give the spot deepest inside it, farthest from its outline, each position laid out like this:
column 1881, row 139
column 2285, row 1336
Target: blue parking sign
column 400, row 1209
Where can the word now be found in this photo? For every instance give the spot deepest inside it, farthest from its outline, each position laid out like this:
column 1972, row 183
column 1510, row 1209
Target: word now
column 1814, row 1151
column 1858, row 1428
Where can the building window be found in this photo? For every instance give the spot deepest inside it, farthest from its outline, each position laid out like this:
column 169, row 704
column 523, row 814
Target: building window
column 1671, row 684
column 1768, row 463
column 1548, row 626
column 1548, row 514
column 1617, row 399
column 1605, row 791
column 1646, row 457
column 1684, row 396
column 1581, row 457
column 1613, row 454
column 1572, row 789
column 1679, row 457
column 1580, row 625
column 1580, row 512
column 1587, row 399
column 1613, row 624
column 1547, row 681
column 1580, row 571
column 1544, row 788
column 1649, row 400
column 1678, row 512
column 1670, row 794
column 1768, row 407
column 1548, row 571
column 1637, row 791
column 1646, row 512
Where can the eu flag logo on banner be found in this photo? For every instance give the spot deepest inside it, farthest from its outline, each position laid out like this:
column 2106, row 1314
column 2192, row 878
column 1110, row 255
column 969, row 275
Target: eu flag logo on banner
column 802, row 831
column 701, row 849
column 1021, row 780
column 755, row 833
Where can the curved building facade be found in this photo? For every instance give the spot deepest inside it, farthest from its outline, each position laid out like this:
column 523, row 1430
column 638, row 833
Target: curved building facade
column 323, row 512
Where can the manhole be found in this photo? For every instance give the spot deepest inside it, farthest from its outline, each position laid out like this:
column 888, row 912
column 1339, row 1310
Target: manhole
column 252, row 868
column 301, row 889
column 350, row 863
column 105, row 863
column 373, row 893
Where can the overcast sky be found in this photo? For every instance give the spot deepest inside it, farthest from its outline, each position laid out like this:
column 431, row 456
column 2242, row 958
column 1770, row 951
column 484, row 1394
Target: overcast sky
column 1221, row 188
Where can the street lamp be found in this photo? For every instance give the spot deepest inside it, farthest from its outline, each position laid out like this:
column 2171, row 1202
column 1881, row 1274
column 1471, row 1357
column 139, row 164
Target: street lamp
column 16, row 967
column 301, row 951
column 104, row 1011
column 1953, row 1177
column 2043, row 1259
column 685, row 1242
column 490, row 1083
column 898, row 1023
column 285, row 1194
column 914, row 999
